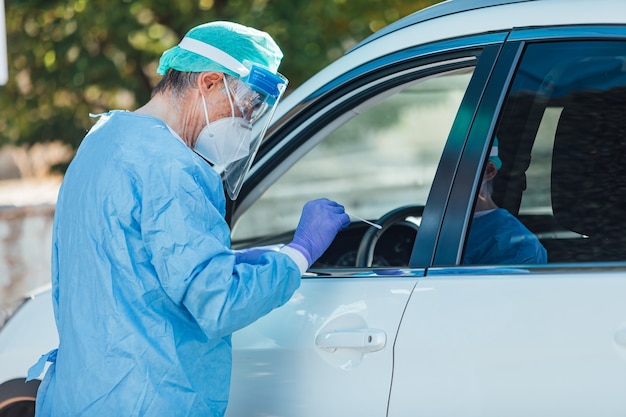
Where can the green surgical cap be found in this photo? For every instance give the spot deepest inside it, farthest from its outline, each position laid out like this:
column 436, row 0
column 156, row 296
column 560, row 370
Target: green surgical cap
column 241, row 42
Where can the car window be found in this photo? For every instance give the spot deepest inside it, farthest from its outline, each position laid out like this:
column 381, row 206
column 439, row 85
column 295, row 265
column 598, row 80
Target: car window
column 383, row 157
column 561, row 140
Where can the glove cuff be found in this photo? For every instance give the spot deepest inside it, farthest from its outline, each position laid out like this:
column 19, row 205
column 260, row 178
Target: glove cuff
column 302, row 250
column 297, row 257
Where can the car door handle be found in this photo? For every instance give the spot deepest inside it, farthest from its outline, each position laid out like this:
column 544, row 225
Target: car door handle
column 365, row 340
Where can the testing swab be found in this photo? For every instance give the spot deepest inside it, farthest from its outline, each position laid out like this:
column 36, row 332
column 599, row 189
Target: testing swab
column 365, row 221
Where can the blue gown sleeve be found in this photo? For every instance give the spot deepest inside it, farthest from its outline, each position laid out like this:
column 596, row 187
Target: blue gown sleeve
column 188, row 241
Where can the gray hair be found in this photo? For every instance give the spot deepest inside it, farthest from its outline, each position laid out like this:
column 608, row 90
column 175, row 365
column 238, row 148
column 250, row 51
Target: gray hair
column 176, row 82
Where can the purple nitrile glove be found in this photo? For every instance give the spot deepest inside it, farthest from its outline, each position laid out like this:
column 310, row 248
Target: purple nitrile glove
column 320, row 222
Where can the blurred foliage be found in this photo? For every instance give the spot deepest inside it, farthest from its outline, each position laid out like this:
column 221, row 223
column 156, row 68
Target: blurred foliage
column 69, row 58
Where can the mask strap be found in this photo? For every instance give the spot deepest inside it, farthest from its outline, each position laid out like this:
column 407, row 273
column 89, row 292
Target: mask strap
column 206, row 115
column 206, row 111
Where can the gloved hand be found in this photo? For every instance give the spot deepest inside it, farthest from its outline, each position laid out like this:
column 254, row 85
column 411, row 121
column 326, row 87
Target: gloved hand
column 320, row 222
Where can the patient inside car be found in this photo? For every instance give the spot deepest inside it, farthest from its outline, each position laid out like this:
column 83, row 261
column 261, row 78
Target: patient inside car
column 497, row 237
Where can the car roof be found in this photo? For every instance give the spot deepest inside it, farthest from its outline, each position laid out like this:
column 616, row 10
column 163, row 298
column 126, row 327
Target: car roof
column 433, row 12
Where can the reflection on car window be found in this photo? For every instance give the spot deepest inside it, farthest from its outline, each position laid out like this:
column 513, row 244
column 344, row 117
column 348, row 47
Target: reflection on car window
column 385, row 156
column 562, row 141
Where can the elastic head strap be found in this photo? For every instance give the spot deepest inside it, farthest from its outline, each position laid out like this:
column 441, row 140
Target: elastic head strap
column 214, row 54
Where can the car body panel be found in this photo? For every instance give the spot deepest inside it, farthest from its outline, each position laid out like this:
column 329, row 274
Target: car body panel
column 534, row 343
column 28, row 334
column 436, row 11
column 342, row 311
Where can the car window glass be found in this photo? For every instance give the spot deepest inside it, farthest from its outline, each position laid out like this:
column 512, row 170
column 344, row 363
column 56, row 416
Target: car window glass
column 562, row 142
column 385, row 156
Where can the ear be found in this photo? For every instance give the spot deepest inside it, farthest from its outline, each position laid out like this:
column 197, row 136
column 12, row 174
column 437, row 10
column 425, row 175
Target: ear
column 208, row 80
column 490, row 171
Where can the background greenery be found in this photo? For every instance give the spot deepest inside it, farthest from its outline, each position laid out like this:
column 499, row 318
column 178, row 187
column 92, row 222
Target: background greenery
column 68, row 58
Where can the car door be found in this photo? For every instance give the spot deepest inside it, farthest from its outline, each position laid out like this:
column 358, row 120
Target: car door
column 371, row 139
column 535, row 339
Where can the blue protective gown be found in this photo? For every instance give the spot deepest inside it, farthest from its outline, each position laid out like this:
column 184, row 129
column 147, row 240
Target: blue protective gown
column 146, row 289
column 499, row 238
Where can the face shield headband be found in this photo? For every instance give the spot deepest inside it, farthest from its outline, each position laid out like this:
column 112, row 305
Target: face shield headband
column 256, row 93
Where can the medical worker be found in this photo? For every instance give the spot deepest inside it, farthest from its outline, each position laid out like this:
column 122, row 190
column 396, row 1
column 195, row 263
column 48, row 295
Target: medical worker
column 497, row 237
column 146, row 289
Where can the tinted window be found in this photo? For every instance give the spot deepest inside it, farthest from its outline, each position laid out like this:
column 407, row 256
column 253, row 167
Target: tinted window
column 562, row 142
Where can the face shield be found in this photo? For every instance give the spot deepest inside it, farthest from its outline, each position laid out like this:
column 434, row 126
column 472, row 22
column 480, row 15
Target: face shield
column 255, row 93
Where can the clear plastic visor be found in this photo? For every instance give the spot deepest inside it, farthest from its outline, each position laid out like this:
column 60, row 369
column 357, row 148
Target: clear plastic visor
column 254, row 97
column 234, row 174
column 251, row 101
column 255, row 93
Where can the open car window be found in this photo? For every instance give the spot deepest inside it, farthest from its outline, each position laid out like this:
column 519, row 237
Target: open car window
column 383, row 157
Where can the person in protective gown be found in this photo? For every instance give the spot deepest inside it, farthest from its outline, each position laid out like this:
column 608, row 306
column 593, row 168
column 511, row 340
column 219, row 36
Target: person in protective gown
column 496, row 237
column 146, row 289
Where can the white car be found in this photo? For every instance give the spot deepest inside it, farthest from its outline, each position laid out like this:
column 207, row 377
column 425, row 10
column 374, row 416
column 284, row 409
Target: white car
column 395, row 321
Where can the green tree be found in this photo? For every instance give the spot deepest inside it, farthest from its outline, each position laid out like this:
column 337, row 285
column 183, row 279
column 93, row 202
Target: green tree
column 69, row 58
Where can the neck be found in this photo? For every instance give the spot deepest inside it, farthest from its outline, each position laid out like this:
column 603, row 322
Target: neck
column 484, row 201
column 171, row 112
column 485, row 204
